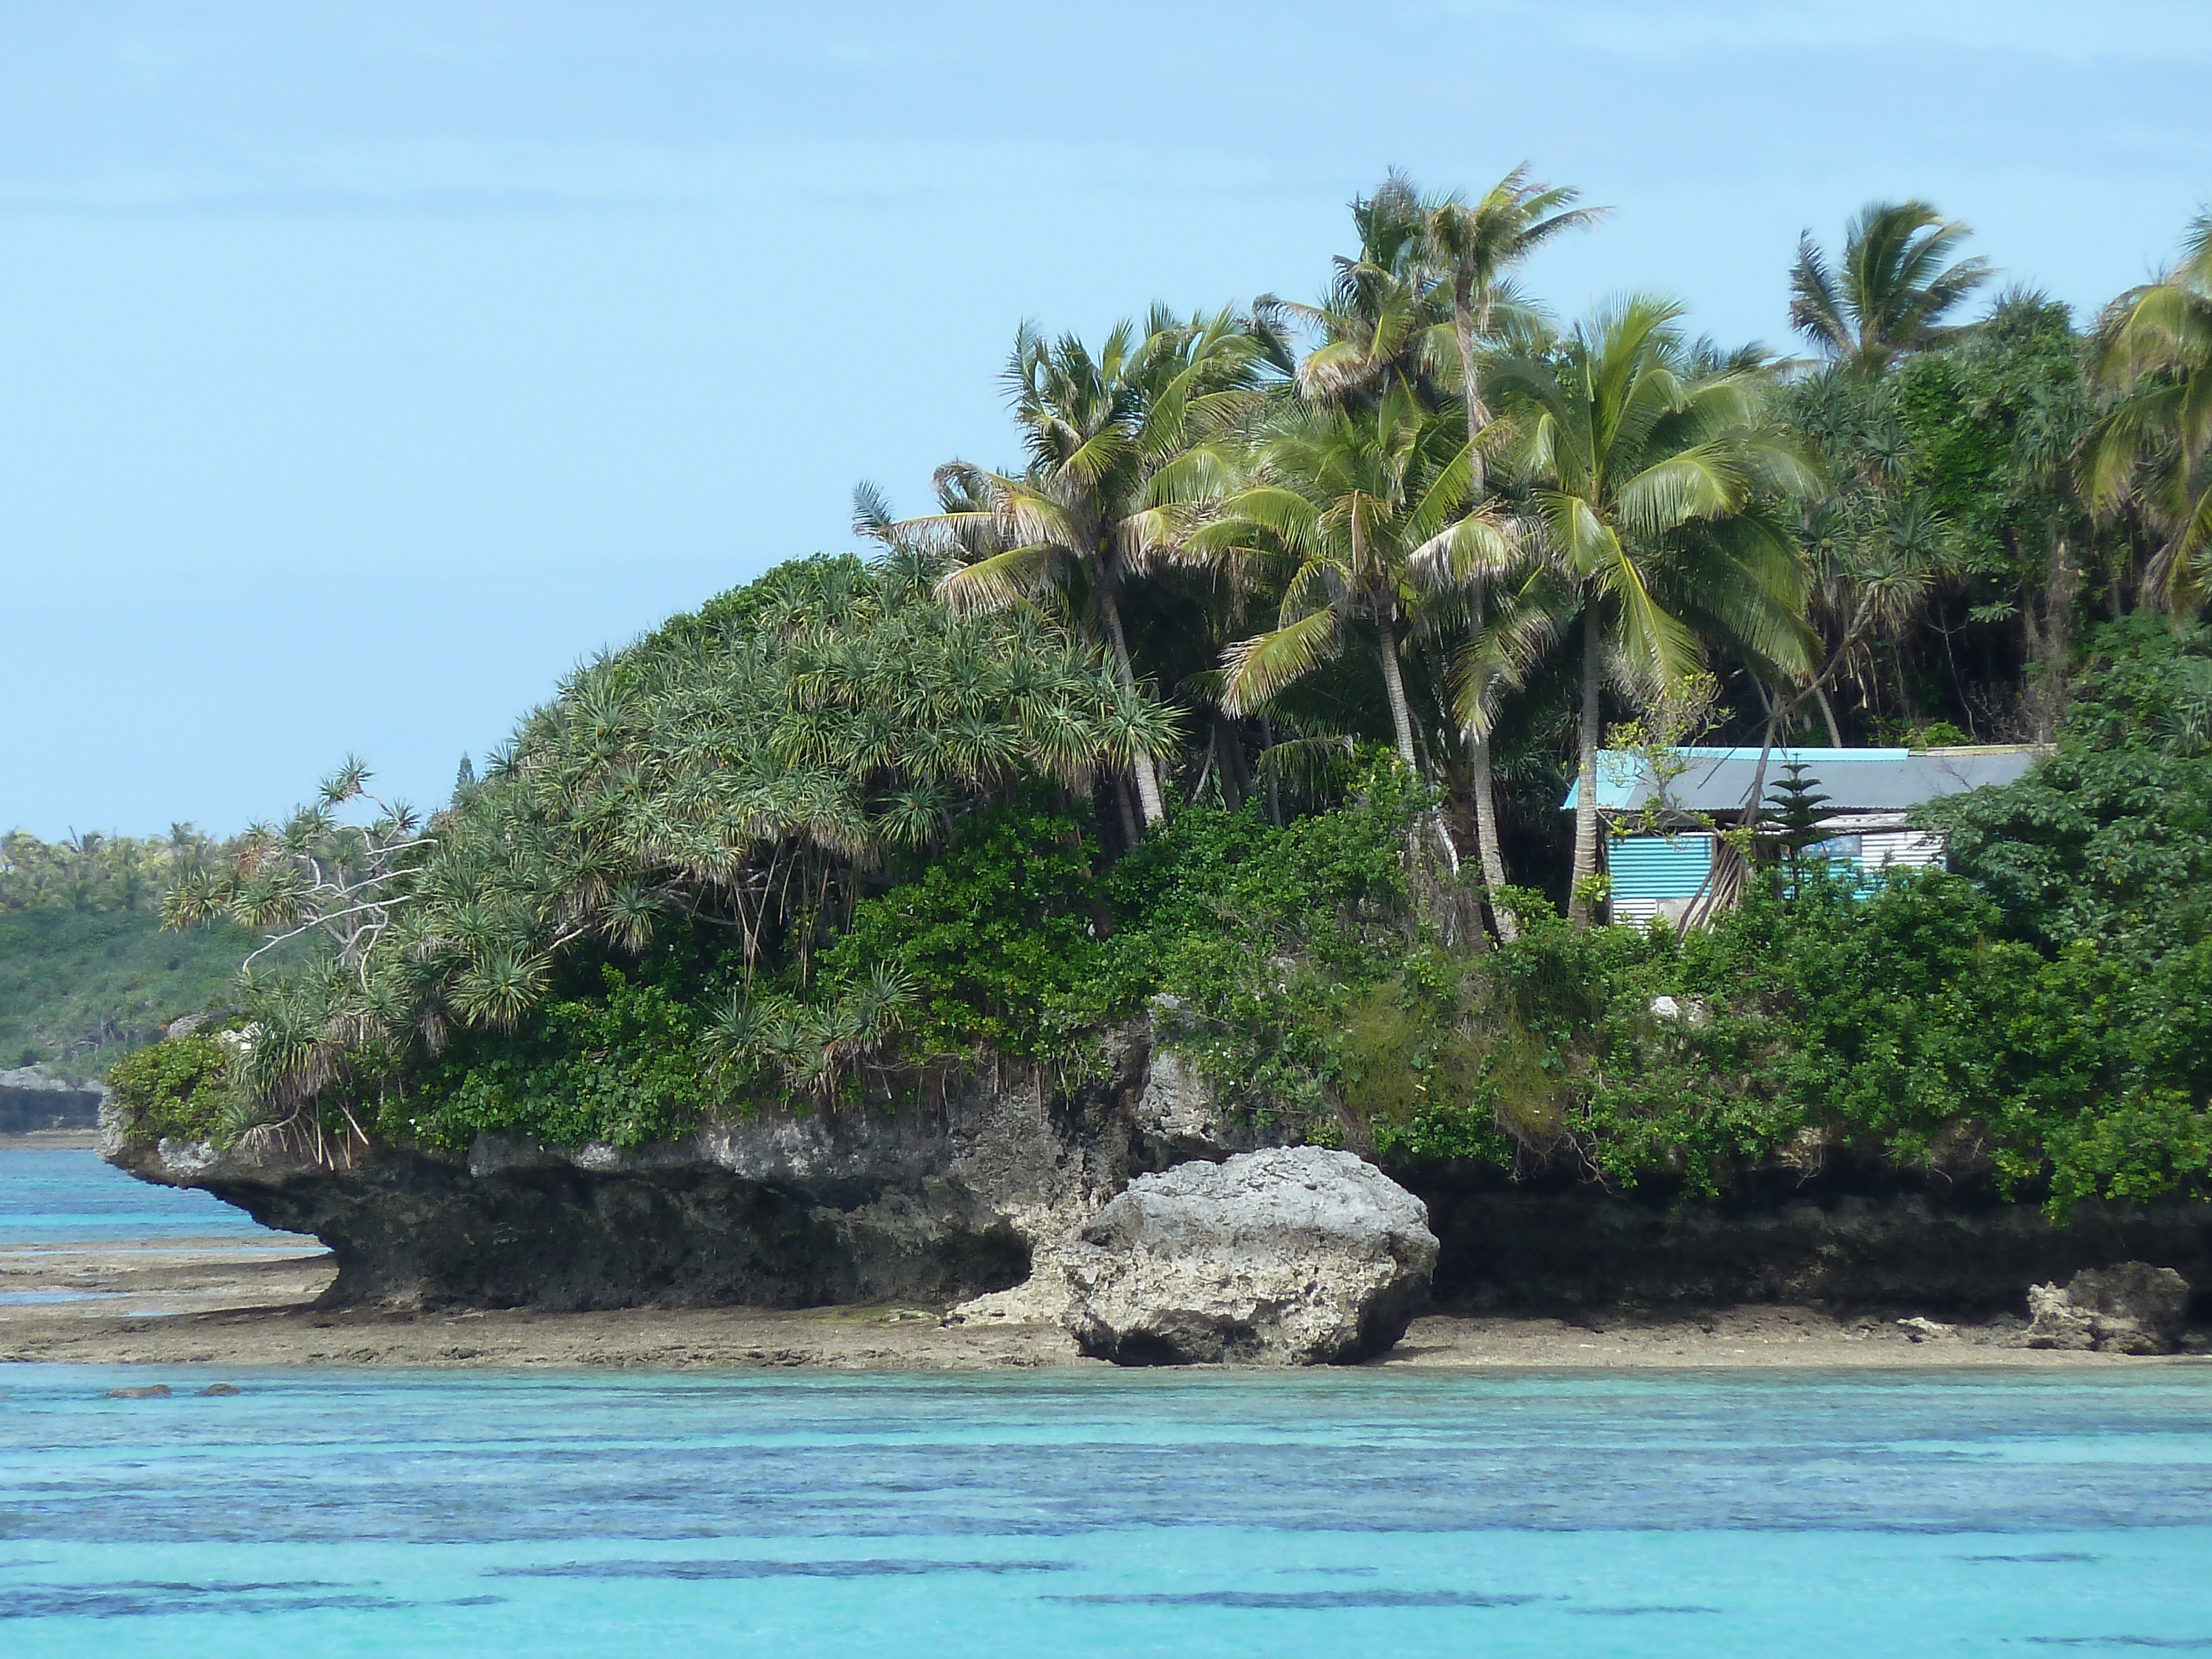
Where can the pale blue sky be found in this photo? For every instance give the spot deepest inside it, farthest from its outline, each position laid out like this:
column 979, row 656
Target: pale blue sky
column 363, row 366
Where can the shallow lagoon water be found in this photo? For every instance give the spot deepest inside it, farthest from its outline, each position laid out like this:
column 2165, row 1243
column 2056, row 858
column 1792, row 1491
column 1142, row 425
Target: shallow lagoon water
column 1075, row 1514
column 70, row 1197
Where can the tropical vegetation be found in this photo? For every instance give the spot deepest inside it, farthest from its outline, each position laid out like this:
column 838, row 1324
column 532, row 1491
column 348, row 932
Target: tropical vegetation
column 1245, row 703
column 86, row 972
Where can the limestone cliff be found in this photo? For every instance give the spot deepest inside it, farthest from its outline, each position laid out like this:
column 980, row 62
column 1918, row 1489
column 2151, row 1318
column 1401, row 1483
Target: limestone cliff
column 956, row 1201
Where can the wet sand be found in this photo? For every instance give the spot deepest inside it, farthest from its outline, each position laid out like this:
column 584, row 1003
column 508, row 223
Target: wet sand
column 188, row 1303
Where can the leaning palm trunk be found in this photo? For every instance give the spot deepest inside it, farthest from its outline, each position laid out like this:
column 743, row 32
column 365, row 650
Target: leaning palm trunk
column 1485, row 834
column 1402, row 723
column 1140, row 766
column 1586, row 819
column 1485, row 798
column 1394, row 687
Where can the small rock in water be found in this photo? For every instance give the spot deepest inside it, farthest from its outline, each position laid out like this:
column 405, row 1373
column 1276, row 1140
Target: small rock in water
column 216, row 1389
column 2133, row 1308
column 1920, row 1329
column 1292, row 1256
column 157, row 1391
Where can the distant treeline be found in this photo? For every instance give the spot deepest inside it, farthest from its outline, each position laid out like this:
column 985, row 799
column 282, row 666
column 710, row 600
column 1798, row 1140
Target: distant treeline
column 100, row 873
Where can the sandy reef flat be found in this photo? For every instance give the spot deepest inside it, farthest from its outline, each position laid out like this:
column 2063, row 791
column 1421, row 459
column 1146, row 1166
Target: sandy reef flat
column 187, row 1303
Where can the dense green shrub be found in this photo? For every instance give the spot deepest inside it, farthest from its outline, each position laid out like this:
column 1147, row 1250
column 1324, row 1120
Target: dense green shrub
column 625, row 1066
column 179, row 1090
column 2034, row 1016
column 1000, row 933
column 2038, row 1013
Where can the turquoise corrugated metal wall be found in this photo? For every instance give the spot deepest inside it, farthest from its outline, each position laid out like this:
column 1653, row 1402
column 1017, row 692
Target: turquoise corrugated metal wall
column 1655, row 867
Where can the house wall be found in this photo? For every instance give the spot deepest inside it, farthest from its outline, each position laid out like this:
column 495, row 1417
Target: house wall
column 1655, row 875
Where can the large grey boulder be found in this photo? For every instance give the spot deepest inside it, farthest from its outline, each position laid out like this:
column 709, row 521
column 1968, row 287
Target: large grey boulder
column 2133, row 1308
column 1292, row 1256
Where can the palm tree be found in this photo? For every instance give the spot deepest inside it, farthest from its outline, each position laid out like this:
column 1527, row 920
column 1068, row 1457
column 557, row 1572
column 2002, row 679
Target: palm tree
column 1472, row 245
column 1383, row 321
column 1655, row 474
column 1118, row 443
column 1366, row 506
column 1892, row 289
column 2154, row 351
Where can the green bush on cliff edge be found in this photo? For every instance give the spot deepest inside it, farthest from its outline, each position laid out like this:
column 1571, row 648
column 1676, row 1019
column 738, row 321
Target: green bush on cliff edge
column 180, row 1089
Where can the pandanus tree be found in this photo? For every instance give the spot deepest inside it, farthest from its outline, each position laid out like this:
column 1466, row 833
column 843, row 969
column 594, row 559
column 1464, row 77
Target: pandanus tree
column 1472, row 246
column 1658, row 479
column 1892, row 289
column 1118, row 440
column 1368, row 510
column 742, row 770
column 2154, row 358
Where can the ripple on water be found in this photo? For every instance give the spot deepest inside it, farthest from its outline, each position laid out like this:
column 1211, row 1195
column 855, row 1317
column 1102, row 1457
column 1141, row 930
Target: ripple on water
column 1082, row 1514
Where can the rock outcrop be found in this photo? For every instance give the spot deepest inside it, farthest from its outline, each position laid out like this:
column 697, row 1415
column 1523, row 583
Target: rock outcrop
column 1292, row 1256
column 2132, row 1308
column 953, row 1199
column 972, row 1198
column 32, row 1098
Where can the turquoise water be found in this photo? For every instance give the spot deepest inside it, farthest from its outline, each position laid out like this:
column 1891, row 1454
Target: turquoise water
column 1098, row 1513
column 72, row 1198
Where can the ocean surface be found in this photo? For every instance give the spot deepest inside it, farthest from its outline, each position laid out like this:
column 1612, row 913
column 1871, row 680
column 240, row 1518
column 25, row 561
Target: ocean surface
column 1357, row 1513
column 1342, row 1513
column 72, row 1198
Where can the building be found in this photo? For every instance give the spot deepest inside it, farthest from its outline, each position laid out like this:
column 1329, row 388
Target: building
column 1661, row 813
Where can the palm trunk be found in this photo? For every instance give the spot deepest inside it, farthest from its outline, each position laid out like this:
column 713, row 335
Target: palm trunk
column 1148, row 786
column 1394, row 687
column 1485, row 836
column 1586, row 819
column 1401, row 721
column 1485, row 798
column 1275, row 790
column 1828, row 717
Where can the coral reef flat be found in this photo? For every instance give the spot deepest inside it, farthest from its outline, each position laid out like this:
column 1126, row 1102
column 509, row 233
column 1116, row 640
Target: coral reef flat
column 260, row 1311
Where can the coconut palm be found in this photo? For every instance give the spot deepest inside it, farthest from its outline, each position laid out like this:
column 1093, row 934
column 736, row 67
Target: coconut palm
column 1472, row 245
column 1893, row 288
column 1364, row 505
column 1383, row 321
column 2154, row 354
column 1118, row 441
column 1655, row 475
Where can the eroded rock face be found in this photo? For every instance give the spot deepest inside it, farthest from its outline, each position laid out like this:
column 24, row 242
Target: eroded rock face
column 31, row 1099
column 2132, row 1308
column 847, row 1204
column 1176, row 1119
column 1290, row 1256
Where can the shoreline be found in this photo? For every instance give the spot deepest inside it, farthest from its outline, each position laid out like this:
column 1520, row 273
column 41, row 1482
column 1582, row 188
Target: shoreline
column 51, row 1141
column 193, row 1304
column 231, row 1302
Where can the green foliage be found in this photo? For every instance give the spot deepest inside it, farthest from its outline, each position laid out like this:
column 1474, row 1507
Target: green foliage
column 79, row 987
column 626, row 1066
column 997, row 933
column 2111, row 840
column 853, row 819
column 2037, row 1016
column 1798, row 823
column 1262, row 937
column 182, row 1089
column 749, row 768
column 98, row 873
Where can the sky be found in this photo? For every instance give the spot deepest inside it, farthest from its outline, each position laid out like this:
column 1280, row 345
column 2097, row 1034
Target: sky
column 365, row 367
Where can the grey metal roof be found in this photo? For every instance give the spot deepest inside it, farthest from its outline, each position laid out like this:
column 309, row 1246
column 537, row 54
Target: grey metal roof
column 1719, row 781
